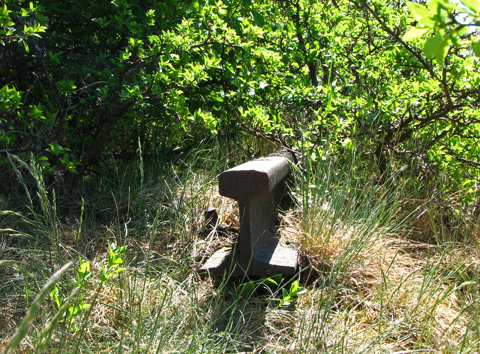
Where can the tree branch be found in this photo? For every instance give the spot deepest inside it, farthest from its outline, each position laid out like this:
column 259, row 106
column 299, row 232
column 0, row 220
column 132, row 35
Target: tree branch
column 397, row 38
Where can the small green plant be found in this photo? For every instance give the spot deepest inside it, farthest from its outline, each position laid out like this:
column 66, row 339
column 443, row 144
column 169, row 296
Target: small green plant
column 69, row 308
column 289, row 297
column 114, row 261
column 74, row 310
column 83, row 273
column 248, row 288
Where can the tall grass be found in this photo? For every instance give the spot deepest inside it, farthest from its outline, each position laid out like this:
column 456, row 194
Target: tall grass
column 370, row 286
column 378, row 290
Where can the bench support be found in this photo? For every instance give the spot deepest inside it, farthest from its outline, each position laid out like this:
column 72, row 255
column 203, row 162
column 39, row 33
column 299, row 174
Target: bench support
column 258, row 186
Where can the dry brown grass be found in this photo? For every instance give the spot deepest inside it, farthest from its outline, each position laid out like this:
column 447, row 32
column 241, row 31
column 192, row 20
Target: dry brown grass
column 395, row 293
column 370, row 289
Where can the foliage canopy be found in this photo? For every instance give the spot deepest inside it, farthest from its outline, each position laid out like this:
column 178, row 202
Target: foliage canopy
column 83, row 80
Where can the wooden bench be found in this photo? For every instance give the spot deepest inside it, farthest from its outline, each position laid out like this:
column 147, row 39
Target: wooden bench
column 258, row 186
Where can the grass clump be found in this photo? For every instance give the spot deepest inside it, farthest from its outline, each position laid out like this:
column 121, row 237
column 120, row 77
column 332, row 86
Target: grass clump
column 378, row 288
column 374, row 280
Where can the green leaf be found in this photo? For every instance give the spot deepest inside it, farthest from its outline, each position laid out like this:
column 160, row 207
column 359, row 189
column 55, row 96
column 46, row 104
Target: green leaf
column 103, row 276
column 294, row 288
column 117, row 270
column 476, row 48
column 473, row 5
column 272, row 281
column 461, row 30
column 428, row 21
column 83, row 273
column 415, row 32
column 4, row 13
column 247, row 289
column 436, row 47
column 258, row 19
column 25, row 45
column 114, row 260
column 418, row 11
column 115, row 255
column 55, row 295
column 57, row 149
column 74, row 311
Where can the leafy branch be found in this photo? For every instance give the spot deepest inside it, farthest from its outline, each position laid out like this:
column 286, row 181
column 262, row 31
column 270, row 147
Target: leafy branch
column 441, row 18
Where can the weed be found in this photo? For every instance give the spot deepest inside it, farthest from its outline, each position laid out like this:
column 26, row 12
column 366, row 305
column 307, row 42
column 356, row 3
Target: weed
column 290, row 296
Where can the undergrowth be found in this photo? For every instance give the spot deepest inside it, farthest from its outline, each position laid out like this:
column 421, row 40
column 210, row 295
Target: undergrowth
column 116, row 270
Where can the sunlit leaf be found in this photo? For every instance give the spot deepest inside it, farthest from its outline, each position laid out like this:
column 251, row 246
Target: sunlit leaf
column 461, row 30
column 415, row 32
column 418, row 11
column 476, row 48
column 83, row 272
column 436, row 47
column 473, row 5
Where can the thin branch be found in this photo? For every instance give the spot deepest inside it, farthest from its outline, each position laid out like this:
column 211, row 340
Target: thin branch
column 398, row 38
